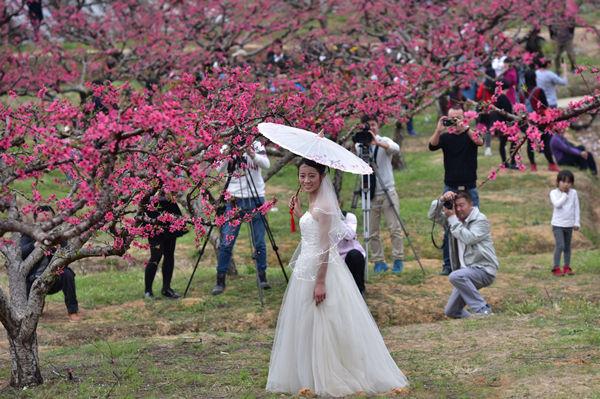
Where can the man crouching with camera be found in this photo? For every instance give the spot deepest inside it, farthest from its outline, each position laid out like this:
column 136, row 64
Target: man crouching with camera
column 472, row 255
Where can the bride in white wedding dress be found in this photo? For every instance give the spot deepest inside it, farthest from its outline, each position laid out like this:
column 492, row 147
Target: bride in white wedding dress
column 326, row 340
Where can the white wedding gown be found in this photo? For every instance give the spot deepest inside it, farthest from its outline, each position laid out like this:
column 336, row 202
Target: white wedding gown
column 334, row 349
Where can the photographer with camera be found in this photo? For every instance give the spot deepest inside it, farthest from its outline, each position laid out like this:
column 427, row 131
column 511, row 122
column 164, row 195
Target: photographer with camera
column 247, row 191
column 381, row 150
column 472, row 254
column 65, row 279
column 459, row 145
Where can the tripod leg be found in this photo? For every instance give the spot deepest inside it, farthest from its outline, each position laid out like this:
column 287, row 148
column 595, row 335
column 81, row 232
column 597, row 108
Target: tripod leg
column 206, row 238
column 397, row 214
column 274, row 245
column 258, row 202
column 252, row 231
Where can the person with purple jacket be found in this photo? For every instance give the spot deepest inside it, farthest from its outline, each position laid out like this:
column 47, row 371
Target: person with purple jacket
column 569, row 154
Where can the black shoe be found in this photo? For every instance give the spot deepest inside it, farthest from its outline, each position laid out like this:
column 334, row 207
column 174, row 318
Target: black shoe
column 445, row 272
column 148, row 295
column 262, row 280
column 169, row 293
column 220, row 286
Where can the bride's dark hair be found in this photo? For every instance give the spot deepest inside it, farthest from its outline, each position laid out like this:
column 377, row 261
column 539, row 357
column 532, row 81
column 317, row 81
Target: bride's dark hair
column 309, row 162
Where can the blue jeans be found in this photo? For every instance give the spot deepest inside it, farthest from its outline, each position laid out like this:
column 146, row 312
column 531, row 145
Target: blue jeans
column 246, row 205
column 445, row 246
column 410, row 127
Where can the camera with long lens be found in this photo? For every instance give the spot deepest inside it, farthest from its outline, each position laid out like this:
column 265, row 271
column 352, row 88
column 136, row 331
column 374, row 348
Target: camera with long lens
column 449, row 122
column 363, row 136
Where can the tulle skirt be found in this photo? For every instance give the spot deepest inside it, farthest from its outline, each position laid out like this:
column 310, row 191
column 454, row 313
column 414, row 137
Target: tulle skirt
column 333, row 349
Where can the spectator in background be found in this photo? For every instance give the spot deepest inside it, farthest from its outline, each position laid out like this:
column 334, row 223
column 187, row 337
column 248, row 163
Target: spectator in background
column 563, row 34
column 484, row 95
column 503, row 104
column 567, row 153
column 64, row 281
column 36, row 16
column 535, row 100
column 548, row 80
column 565, row 219
column 276, row 56
column 510, row 80
column 534, row 43
column 162, row 245
column 453, row 99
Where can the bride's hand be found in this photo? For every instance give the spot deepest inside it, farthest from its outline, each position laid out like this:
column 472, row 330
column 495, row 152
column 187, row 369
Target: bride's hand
column 295, row 206
column 319, row 293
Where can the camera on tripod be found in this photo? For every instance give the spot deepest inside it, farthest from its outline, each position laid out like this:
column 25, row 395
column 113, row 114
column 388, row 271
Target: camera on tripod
column 363, row 136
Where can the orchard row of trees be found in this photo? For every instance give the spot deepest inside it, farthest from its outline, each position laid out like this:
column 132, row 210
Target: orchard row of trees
column 160, row 86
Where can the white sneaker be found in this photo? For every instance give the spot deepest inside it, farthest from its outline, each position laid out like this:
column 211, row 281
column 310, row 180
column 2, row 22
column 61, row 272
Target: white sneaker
column 487, row 152
column 485, row 312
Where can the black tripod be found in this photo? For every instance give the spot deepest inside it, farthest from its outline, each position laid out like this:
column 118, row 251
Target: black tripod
column 221, row 209
column 365, row 193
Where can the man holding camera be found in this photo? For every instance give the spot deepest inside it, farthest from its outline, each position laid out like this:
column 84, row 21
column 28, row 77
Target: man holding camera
column 381, row 151
column 459, row 145
column 247, row 191
column 472, row 254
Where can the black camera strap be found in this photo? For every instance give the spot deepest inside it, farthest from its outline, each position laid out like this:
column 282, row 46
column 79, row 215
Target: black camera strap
column 372, row 176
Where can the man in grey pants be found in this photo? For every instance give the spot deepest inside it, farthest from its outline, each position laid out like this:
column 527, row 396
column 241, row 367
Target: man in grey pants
column 472, row 255
column 382, row 149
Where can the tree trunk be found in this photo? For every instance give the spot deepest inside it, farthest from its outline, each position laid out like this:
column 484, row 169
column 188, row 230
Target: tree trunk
column 25, row 365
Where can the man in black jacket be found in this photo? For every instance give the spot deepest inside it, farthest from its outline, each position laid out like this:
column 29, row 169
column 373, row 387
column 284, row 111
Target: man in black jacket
column 65, row 281
column 162, row 245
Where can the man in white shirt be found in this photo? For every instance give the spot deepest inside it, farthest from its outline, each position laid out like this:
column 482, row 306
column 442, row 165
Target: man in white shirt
column 382, row 149
column 247, row 190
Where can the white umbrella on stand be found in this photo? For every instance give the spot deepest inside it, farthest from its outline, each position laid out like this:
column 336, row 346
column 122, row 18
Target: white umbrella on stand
column 314, row 147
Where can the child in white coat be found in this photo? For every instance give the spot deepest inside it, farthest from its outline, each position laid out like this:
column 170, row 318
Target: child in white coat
column 565, row 219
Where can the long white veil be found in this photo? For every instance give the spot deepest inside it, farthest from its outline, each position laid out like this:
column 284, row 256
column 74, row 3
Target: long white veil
column 326, row 211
